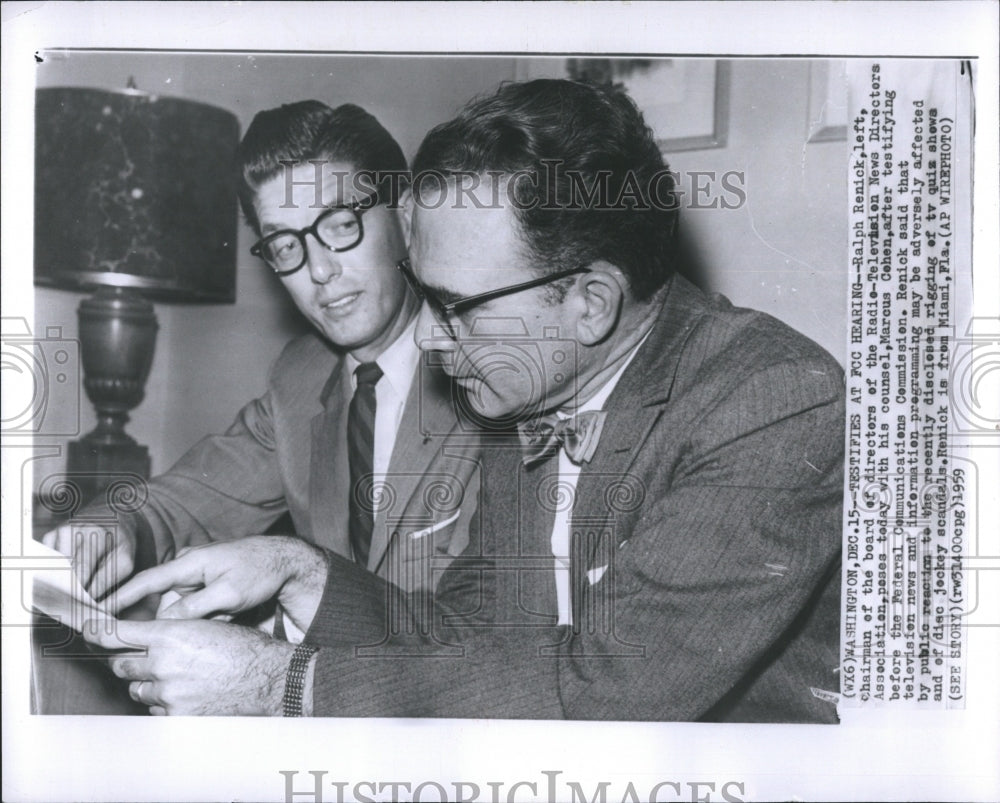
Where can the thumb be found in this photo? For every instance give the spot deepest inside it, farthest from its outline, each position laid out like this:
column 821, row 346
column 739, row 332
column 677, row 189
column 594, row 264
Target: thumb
column 214, row 598
column 116, row 634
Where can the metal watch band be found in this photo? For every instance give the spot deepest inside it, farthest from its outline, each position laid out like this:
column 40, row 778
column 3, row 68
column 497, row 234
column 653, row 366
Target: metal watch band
column 295, row 679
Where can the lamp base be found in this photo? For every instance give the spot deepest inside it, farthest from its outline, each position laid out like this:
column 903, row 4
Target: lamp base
column 94, row 466
column 117, row 339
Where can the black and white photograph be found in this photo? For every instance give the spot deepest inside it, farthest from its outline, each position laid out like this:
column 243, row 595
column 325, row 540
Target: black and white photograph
column 387, row 419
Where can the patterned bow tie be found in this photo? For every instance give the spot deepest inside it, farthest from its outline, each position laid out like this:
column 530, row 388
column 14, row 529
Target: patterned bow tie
column 577, row 435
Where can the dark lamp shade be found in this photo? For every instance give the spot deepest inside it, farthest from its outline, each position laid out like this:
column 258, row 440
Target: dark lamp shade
column 135, row 190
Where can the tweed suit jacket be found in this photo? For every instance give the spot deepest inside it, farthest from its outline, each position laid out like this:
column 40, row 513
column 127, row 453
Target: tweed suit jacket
column 287, row 452
column 704, row 566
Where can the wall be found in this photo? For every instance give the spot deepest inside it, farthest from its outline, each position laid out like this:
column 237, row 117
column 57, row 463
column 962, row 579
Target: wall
column 782, row 252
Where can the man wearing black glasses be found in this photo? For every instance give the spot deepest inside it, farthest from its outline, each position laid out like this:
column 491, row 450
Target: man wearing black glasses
column 662, row 541
column 349, row 437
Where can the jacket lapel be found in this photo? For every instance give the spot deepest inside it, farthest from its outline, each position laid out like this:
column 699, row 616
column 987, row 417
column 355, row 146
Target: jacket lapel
column 605, row 486
column 428, row 418
column 330, row 476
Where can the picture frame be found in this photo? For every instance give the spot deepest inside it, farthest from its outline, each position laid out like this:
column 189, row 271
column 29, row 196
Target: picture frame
column 827, row 101
column 685, row 100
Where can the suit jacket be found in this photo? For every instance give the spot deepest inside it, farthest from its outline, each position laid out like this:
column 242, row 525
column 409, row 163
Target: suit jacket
column 287, row 452
column 705, row 555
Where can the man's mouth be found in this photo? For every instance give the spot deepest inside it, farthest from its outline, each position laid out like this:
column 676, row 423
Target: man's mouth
column 469, row 383
column 456, row 372
column 340, row 303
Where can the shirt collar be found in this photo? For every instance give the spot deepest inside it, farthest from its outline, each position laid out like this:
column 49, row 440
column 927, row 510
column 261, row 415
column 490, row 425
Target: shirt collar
column 398, row 361
column 596, row 402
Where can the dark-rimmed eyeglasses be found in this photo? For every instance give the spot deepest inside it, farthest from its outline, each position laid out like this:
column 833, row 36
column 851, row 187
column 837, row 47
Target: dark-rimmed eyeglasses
column 338, row 228
column 446, row 312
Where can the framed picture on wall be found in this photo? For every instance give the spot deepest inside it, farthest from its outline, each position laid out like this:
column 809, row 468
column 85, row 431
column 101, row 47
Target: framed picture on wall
column 685, row 101
column 827, row 100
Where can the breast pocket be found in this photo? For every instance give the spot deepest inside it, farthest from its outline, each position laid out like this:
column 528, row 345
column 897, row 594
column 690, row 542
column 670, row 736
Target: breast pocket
column 418, row 555
column 438, row 536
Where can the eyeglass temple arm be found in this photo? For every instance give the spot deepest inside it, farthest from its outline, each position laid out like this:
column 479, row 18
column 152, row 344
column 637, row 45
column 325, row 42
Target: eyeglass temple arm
column 456, row 307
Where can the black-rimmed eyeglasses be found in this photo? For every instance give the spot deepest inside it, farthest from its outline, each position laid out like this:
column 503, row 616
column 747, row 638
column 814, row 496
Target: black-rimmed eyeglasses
column 338, row 228
column 446, row 312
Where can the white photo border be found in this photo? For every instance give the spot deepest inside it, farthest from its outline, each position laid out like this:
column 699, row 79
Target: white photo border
column 943, row 755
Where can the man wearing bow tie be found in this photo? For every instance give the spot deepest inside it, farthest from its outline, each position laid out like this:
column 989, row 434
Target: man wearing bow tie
column 660, row 541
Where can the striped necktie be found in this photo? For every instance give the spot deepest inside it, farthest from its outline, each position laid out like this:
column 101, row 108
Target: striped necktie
column 360, row 454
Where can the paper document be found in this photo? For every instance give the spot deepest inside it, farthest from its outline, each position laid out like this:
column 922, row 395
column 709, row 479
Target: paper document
column 57, row 592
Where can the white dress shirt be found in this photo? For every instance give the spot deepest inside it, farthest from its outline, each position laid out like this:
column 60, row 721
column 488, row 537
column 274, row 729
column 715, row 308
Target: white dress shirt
column 569, row 474
column 399, row 364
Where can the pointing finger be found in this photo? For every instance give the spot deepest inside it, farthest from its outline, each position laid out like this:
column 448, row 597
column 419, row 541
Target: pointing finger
column 154, row 581
column 115, row 566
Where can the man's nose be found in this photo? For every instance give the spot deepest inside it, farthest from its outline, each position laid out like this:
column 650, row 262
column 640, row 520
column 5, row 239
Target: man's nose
column 430, row 334
column 323, row 262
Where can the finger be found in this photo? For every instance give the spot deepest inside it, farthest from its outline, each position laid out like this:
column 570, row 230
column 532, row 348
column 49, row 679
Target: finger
column 157, row 710
column 187, row 550
column 89, row 546
column 132, row 667
column 77, row 559
column 118, row 634
column 114, row 567
column 175, row 574
column 218, row 597
column 168, row 598
column 144, row 692
column 64, row 540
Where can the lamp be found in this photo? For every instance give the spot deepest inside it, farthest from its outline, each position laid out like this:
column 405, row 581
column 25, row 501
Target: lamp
column 134, row 197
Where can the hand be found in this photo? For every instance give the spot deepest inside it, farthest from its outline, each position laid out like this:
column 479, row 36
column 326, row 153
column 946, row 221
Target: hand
column 235, row 576
column 197, row 667
column 102, row 556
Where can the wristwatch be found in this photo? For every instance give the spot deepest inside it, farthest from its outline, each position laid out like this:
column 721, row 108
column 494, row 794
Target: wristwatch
column 296, row 678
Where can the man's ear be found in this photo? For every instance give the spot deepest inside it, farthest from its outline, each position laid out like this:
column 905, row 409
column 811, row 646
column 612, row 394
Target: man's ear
column 405, row 213
column 599, row 296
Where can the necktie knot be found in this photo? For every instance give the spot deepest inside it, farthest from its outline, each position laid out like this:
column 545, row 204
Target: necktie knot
column 578, row 435
column 368, row 373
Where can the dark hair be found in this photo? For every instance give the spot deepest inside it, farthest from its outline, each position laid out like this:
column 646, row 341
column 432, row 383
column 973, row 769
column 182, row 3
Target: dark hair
column 298, row 132
column 601, row 189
